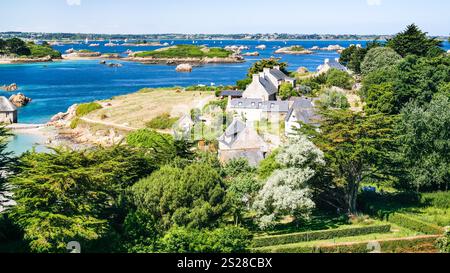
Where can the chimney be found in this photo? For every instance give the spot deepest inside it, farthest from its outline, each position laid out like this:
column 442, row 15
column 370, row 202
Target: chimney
column 266, row 70
column 277, row 67
column 261, row 75
column 255, row 77
column 337, row 60
column 327, row 61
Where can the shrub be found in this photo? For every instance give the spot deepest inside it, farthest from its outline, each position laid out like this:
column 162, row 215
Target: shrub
column 379, row 58
column 222, row 240
column 86, row 108
column 400, row 245
column 162, row 122
column 74, row 123
column 339, row 78
column 412, row 223
column 334, row 99
column 319, row 235
column 439, row 199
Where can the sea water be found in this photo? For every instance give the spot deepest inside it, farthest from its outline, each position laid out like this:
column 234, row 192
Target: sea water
column 56, row 86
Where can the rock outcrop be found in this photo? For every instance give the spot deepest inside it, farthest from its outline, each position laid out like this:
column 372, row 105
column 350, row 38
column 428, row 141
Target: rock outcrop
column 302, row 70
column 184, row 68
column 19, row 100
column 251, row 54
column 63, row 119
column 9, row 88
column 293, row 50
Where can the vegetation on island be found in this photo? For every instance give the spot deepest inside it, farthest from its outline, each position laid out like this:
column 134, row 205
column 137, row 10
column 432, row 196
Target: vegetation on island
column 19, row 48
column 186, row 51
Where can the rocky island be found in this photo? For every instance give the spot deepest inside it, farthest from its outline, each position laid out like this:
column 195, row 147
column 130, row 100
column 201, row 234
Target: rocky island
column 181, row 54
column 294, row 50
column 15, row 50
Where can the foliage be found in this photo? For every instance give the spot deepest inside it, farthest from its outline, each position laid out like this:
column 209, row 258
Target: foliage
column 40, row 51
column 356, row 148
column 413, row 41
column 408, row 221
column 286, row 91
column 268, row 166
column 287, row 192
column 192, row 197
column 222, row 240
column 379, row 58
column 353, row 56
column 86, row 108
column 424, row 144
column 68, row 195
column 186, row 51
column 163, row 148
column 139, row 233
column 401, row 245
column 7, row 161
column 14, row 46
column 338, row 78
column 293, row 238
column 241, row 193
column 236, row 167
column 443, row 243
column 333, row 99
column 162, row 122
column 413, row 78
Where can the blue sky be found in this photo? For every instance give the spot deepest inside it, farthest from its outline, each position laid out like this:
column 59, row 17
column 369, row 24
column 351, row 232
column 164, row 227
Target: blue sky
column 224, row 16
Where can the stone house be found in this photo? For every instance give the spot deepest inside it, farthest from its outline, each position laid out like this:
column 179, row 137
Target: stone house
column 8, row 112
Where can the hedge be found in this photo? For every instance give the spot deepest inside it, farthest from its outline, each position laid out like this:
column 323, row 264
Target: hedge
column 414, row 224
column 387, row 246
column 293, row 238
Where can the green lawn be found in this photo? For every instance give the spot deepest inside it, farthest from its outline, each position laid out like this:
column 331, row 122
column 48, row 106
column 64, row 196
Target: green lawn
column 186, row 51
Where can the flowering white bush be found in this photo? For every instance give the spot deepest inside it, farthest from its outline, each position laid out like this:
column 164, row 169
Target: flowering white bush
column 287, row 192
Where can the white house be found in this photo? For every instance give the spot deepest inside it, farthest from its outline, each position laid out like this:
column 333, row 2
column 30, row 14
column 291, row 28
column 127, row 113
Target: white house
column 241, row 141
column 302, row 111
column 266, row 84
column 331, row 64
column 8, row 112
column 252, row 110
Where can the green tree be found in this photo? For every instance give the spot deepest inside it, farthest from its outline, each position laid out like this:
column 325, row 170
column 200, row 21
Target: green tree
column 339, row 78
column 18, row 47
column 6, row 161
column 241, row 193
column 413, row 41
column 424, row 141
column 353, row 56
column 193, row 197
column 333, row 99
column 379, row 58
column 221, row 240
column 412, row 79
column 286, row 91
column 72, row 196
column 356, row 148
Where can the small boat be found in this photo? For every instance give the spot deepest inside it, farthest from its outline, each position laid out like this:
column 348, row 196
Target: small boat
column 93, row 45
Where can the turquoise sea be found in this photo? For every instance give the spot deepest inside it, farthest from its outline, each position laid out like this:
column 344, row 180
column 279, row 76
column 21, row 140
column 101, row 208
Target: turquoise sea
column 56, row 86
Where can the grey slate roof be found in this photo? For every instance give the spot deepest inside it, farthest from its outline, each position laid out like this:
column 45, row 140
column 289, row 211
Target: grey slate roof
column 265, row 106
column 231, row 93
column 268, row 86
column 333, row 64
column 6, row 105
column 279, row 75
column 235, row 127
column 304, row 111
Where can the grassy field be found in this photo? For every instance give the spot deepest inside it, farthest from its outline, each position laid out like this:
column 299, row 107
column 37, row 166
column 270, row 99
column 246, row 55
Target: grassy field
column 186, row 51
column 137, row 109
